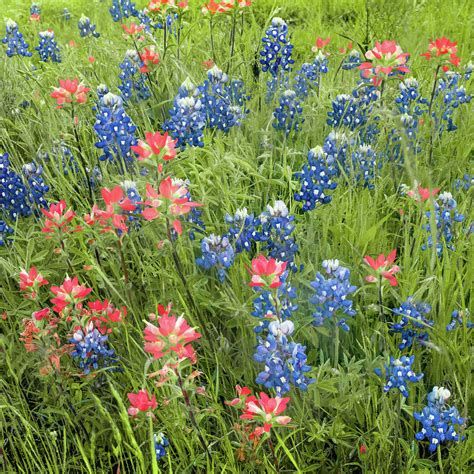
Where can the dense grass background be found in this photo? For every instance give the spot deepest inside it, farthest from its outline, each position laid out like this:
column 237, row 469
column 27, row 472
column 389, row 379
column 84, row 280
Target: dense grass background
column 39, row 432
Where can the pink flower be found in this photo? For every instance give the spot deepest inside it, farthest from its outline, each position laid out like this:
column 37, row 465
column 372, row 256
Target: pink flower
column 265, row 410
column 149, row 56
column 267, row 272
column 103, row 314
column 141, row 401
column 242, row 393
column 57, row 218
column 320, row 44
column 69, row 90
column 91, row 59
column 133, row 29
column 35, row 17
column 208, row 64
column 387, row 57
column 157, row 146
column 30, row 282
column 70, row 292
column 171, row 335
column 422, row 194
column 383, row 268
column 443, row 51
column 214, row 7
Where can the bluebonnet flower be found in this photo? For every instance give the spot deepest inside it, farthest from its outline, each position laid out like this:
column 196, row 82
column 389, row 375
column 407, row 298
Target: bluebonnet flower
column 216, row 252
column 276, row 229
column 5, row 233
column 115, row 131
column 122, row 9
column 364, row 166
column 101, row 90
column 351, row 61
column 14, row 196
column 35, row 10
column 452, row 94
column 16, row 45
column 468, row 71
column 48, row 48
column 446, row 217
column 276, row 53
column 130, row 189
column 347, row 112
column 66, row 14
column 145, row 20
column 91, row 349
column 187, row 117
column 221, row 111
column 438, row 420
column 37, row 188
column 398, row 373
column 287, row 116
column 86, row 28
column 316, row 177
column 267, row 309
column 307, row 79
column 132, row 85
column 410, row 100
column 466, row 183
column 460, row 319
column 331, row 295
column 414, row 324
column 171, row 24
column 285, row 361
column 161, row 443
column 242, row 229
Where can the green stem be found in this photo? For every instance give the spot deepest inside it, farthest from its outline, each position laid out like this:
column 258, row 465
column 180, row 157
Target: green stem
column 336, row 343
column 440, row 460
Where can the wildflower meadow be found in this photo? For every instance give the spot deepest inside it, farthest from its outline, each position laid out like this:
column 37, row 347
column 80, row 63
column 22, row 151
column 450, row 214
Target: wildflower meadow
column 236, row 236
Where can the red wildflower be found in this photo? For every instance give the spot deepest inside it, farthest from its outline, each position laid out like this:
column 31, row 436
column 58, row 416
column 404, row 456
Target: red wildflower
column 385, row 58
column 265, row 410
column 242, row 393
column 41, row 314
column 362, row 449
column 208, row 63
column 266, row 272
column 70, row 292
column 422, row 194
column 214, row 7
column 171, row 335
column 28, row 336
column 141, row 401
column 133, row 29
column 91, row 59
column 444, row 51
column 103, row 313
column 35, row 17
column 149, row 56
column 30, row 282
column 57, row 218
column 320, row 43
column 383, row 267
column 70, row 90
column 156, row 146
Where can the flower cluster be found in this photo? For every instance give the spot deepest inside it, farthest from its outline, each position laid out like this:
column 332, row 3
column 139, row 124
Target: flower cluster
column 16, row 45
column 5, row 233
column 132, row 85
column 115, row 131
column 187, row 117
column 446, row 218
column 155, row 148
column 398, row 373
column 438, row 420
column 265, row 411
column 382, row 267
column 122, row 9
column 48, row 49
column 86, row 28
column 331, row 295
column 275, row 56
column 70, row 91
column 307, row 78
column 414, row 325
column 460, row 319
column 216, row 252
column 287, row 116
column 443, row 52
column 35, row 12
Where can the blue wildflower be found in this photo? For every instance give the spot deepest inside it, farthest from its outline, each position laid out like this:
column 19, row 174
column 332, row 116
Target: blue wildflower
column 438, row 420
column 398, row 373
column 35, row 9
column 307, row 78
column 48, row 48
column 122, row 9
column 16, row 45
column 276, row 53
column 242, row 229
column 465, row 183
column 161, row 443
column 66, row 15
column 460, row 319
column 115, row 131
column 331, row 295
column 287, row 115
column 132, row 85
column 216, row 252
column 91, row 349
column 351, row 61
column 86, row 28
column 187, row 117
column 414, row 325
column 5, row 233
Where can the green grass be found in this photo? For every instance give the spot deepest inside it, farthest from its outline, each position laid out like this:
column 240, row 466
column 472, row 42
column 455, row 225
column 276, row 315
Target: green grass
column 55, row 425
